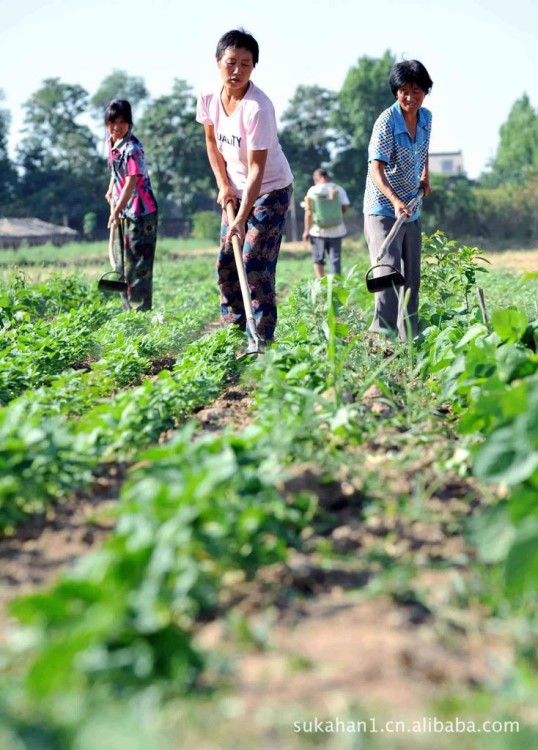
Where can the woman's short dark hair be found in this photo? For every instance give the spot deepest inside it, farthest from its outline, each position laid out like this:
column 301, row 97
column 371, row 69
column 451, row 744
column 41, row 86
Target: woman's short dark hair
column 409, row 71
column 119, row 108
column 238, row 39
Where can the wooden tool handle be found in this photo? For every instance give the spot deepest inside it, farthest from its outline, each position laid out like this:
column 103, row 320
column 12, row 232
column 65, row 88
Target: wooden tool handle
column 238, row 255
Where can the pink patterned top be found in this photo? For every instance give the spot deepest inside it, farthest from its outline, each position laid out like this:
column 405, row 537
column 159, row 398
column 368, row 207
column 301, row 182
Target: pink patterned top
column 126, row 158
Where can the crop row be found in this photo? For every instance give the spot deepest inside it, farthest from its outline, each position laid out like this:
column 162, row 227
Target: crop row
column 198, row 514
column 489, row 372
column 94, row 334
column 43, row 453
column 44, row 456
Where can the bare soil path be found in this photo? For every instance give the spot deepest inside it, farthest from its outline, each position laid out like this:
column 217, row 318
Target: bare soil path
column 326, row 644
column 48, row 544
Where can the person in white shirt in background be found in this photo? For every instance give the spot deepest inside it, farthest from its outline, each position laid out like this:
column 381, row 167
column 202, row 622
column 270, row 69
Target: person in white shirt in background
column 325, row 204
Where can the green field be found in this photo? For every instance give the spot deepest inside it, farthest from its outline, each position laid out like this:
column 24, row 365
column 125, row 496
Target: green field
column 79, row 254
column 338, row 531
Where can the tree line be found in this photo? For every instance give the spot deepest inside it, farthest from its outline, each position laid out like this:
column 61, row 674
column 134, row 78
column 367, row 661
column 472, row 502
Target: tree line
column 59, row 172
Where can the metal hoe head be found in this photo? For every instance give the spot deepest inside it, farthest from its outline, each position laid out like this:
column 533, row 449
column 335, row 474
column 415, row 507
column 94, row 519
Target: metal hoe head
column 257, row 343
column 386, row 281
column 112, row 285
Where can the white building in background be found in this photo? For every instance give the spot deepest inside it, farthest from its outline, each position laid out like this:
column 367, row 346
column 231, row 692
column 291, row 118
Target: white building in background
column 446, row 162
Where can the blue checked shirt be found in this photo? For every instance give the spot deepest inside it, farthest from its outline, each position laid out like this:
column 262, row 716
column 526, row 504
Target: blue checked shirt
column 404, row 159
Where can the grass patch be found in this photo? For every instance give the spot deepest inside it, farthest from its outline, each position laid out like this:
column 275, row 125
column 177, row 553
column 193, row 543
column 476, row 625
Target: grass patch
column 79, row 253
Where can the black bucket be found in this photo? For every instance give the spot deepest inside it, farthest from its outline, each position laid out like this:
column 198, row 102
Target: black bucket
column 387, row 281
column 112, row 285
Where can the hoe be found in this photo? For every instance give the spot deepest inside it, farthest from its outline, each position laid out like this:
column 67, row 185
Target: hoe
column 245, row 291
column 393, row 278
column 118, row 284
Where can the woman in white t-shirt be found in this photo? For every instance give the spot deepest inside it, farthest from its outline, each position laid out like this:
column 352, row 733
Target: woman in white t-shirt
column 252, row 172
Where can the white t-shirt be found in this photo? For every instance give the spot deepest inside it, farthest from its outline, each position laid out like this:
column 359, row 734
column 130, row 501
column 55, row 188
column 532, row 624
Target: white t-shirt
column 251, row 127
column 323, row 189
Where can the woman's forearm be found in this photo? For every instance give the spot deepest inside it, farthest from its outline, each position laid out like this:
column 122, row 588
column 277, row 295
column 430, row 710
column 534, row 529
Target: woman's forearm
column 377, row 171
column 253, row 186
column 218, row 165
column 426, row 171
column 110, row 191
column 125, row 196
column 127, row 192
column 250, row 194
column 226, row 192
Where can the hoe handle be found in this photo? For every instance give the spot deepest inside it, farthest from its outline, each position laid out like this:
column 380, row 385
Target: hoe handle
column 245, row 291
column 238, row 255
column 398, row 223
column 111, row 245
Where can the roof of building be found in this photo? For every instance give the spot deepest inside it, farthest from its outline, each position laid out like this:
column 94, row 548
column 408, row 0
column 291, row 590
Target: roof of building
column 29, row 228
column 445, row 153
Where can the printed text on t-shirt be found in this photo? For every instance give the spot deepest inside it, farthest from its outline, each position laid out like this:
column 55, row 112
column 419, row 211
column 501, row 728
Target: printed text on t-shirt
column 231, row 140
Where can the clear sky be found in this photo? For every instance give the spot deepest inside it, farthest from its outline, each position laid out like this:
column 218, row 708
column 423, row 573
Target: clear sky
column 481, row 54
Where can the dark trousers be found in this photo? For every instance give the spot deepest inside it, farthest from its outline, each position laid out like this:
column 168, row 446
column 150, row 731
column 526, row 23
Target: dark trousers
column 134, row 253
column 332, row 246
column 392, row 314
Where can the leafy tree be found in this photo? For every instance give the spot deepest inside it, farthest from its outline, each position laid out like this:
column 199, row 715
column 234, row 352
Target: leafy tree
column 52, row 132
column 63, row 175
column 508, row 212
column 174, row 144
column 89, row 225
column 306, row 136
column 8, row 173
column 206, row 226
column 517, row 154
column 364, row 95
column 452, row 207
column 119, row 85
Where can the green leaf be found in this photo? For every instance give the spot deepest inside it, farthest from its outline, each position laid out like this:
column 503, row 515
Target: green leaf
column 510, row 323
column 506, row 456
column 515, row 361
column 523, row 502
column 53, row 669
column 473, row 332
column 521, row 569
column 341, row 330
column 341, row 294
column 492, row 534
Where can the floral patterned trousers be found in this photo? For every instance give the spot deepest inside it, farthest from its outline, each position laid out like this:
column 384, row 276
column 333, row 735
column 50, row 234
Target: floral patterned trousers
column 264, row 229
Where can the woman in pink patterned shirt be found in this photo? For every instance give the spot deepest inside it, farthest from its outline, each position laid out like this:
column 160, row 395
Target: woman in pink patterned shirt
column 133, row 207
